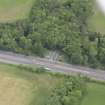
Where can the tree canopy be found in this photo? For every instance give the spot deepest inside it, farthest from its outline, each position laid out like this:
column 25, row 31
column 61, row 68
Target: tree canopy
column 56, row 24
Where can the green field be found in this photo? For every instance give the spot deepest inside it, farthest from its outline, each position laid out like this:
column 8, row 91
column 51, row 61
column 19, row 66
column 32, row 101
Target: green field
column 14, row 9
column 96, row 22
column 96, row 95
column 20, row 87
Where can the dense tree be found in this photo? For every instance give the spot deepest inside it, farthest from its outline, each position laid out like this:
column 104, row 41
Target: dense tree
column 56, row 24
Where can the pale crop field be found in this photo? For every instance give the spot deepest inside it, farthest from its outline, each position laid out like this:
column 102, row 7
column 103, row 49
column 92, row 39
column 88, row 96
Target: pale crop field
column 13, row 91
column 11, row 10
column 21, row 87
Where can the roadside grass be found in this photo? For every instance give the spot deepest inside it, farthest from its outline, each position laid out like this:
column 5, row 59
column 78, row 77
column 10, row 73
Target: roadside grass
column 20, row 87
column 96, row 22
column 11, row 10
column 96, row 94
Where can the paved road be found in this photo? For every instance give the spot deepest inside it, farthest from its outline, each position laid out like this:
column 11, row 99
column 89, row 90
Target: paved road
column 12, row 58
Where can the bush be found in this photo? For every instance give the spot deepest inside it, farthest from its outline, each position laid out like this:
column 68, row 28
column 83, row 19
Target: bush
column 69, row 92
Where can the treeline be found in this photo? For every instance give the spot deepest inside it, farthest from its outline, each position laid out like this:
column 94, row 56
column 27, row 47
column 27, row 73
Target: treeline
column 70, row 92
column 56, row 24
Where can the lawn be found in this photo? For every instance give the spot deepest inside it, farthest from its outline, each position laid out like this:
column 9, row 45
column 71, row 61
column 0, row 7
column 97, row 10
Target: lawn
column 96, row 95
column 20, row 87
column 14, row 9
column 96, row 22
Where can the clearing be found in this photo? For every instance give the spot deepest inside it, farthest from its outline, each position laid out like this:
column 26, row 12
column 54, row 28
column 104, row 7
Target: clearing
column 11, row 10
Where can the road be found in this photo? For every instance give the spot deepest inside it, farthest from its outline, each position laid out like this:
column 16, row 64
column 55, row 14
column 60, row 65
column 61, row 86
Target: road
column 13, row 58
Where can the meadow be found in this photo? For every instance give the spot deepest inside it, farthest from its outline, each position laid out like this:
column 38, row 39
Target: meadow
column 96, row 94
column 11, row 10
column 20, row 87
